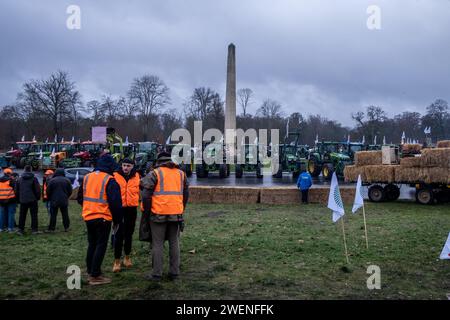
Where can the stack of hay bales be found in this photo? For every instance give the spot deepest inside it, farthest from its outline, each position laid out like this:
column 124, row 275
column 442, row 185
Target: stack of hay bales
column 432, row 166
column 369, row 165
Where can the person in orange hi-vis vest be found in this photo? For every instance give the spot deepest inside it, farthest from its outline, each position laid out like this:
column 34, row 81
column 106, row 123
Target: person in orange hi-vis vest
column 128, row 180
column 47, row 176
column 8, row 201
column 99, row 194
column 164, row 196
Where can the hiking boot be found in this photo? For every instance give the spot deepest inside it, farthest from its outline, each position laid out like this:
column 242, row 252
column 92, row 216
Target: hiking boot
column 116, row 266
column 94, row 281
column 127, row 262
column 36, row 232
column 19, row 232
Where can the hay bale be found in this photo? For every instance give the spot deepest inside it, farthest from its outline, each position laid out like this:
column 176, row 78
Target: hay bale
column 443, row 144
column 234, row 195
column 351, row 173
column 280, row 195
column 364, row 158
column 436, row 157
column 413, row 148
column 200, row 194
column 410, row 162
column 380, row 173
column 422, row 174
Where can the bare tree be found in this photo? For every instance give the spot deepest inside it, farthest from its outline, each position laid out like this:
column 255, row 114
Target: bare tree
column 270, row 109
column 94, row 108
column 200, row 103
column 54, row 98
column 244, row 98
column 149, row 94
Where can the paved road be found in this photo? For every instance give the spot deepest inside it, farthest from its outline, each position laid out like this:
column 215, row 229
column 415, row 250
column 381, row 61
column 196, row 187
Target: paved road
column 267, row 181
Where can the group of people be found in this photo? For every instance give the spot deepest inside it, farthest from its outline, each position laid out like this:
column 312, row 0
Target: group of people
column 25, row 190
column 110, row 197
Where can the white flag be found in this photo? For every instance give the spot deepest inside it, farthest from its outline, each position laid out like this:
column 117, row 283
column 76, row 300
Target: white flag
column 168, row 140
column 73, row 139
column 40, row 154
column 384, row 140
column 56, row 138
column 34, row 139
column 348, row 139
column 334, row 199
column 76, row 183
column 53, row 153
column 317, row 138
column 445, row 254
column 375, row 140
column 359, row 199
column 363, row 140
column 23, row 139
column 256, row 140
column 403, row 137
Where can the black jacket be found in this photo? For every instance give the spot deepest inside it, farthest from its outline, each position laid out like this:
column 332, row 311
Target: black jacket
column 59, row 190
column 12, row 184
column 27, row 188
column 107, row 164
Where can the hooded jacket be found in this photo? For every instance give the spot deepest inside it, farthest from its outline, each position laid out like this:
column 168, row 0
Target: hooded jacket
column 12, row 184
column 59, row 189
column 107, row 164
column 148, row 184
column 27, row 188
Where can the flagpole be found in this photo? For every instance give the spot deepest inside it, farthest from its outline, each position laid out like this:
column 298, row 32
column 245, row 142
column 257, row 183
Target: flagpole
column 365, row 227
column 345, row 241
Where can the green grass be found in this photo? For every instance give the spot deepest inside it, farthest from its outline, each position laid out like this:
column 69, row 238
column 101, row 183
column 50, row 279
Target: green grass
column 251, row 252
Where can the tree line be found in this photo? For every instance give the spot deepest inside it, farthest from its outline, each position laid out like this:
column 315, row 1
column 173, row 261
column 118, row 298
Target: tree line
column 53, row 106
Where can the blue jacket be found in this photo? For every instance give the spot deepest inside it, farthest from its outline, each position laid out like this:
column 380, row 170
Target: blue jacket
column 304, row 181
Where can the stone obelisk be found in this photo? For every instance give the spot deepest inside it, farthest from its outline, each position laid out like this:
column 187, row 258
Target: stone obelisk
column 230, row 99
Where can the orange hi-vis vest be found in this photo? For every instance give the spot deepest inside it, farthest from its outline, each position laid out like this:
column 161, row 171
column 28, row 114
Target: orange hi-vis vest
column 128, row 189
column 95, row 202
column 6, row 191
column 168, row 194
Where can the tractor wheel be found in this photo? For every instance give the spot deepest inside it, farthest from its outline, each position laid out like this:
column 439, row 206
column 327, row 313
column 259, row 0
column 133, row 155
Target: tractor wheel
column 222, row 171
column 239, row 171
column 314, row 168
column 188, row 169
column 22, row 163
column 200, row 171
column 259, row 174
column 376, row 193
column 279, row 173
column 392, row 192
column 425, row 196
column 327, row 171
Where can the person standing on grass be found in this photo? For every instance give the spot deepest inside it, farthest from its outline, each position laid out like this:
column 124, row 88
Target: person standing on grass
column 128, row 180
column 59, row 190
column 47, row 176
column 99, row 194
column 164, row 195
column 304, row 182
column 8, row 201
column 28, row 192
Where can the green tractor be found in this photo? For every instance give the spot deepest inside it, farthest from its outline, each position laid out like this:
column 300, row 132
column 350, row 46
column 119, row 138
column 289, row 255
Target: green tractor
column 37, row 152
column 210, row 149
column 145, row 155
column 251, row 159
column 292, row 157
column 186, row 166
column 328, row 157
column 62, row 156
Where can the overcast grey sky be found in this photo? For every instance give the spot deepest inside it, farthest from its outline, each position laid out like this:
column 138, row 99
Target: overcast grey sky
column 312, row 56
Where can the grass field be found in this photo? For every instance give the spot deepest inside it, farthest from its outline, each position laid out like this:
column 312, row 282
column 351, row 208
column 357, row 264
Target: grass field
column 253, row 251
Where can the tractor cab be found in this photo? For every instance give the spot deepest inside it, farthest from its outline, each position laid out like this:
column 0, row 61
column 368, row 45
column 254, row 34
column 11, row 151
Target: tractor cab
column 328, row 157
column 88, row 152
column 146, row 154
column 18, row 152
column 354, row 147
column 121, row 151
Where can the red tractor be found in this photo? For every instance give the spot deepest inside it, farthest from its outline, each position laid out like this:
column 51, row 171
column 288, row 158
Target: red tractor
column 89, row 152
column 16, row 156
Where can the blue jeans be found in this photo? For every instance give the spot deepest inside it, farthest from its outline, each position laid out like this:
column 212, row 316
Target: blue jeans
column 8, row 216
